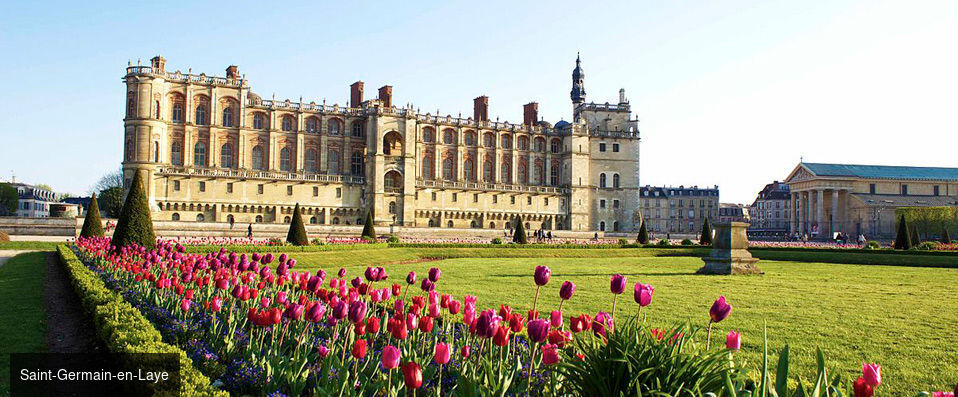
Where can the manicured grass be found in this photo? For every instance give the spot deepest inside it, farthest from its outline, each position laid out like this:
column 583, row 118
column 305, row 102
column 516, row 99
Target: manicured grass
column 892, row 258
column 901, row 317
column 23, row 327
column 30, row 245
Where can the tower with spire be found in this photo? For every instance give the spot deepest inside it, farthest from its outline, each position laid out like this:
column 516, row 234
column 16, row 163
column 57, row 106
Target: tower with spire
column 578, row 82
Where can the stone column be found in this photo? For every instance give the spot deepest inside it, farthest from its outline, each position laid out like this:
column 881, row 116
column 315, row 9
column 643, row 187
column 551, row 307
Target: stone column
column 820, row 210
column 831, row 227
column 792, row 217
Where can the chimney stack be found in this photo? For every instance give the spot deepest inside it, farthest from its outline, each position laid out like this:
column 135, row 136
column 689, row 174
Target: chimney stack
column 158, row 64
column 356, row 94
column 530, row 113
column 480, row 108
column 232, row 72
column 386, row 95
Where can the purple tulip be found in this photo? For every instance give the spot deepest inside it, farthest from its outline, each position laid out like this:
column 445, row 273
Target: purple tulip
column 411, row 278
column 427, row 286
column 566, row 290
column 617, row 284
column 357, row 282
column 487, row 324
column 542, row 275
column 382, row 274
column 339, row 310
column 315, row 312
column 342, row 272
column 294, row 311
column 255, row 256
column 720, row 310
column 434, row 274
column 372, row 274
column 267, row 259
column 643, row 294
column 357, row 311
column 538, row 330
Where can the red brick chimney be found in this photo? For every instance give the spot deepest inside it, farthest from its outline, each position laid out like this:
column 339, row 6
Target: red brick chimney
column 232, row 72
column 530, row 113
column 386, row 95
column 480, row 108
column 356, row 94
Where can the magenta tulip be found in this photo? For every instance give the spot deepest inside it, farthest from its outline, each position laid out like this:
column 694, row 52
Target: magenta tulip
column 411, row 278
column 566, row 290
column 538, row 330
column 872, row 374
column 556, row 319
column 390, row 357
column 434, row 274
column 542, row 275
column 442, row 355
column 550, row 354
column 643, row 294
column 357, row 311
column 617, row 284
column 720, row 310
column 733, row 340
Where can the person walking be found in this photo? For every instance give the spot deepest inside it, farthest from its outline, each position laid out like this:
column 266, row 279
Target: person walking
column 231, row 222
column 249, row 231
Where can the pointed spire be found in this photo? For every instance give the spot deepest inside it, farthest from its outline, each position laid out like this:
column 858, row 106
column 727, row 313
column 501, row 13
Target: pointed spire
column 578, row 81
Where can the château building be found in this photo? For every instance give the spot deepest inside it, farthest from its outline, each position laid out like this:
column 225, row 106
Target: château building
column 769, row 213
column 680, row 210
column 214, row 151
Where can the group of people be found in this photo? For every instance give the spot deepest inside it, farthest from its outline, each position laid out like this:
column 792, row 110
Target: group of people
column 539, row 234
column 840, row 238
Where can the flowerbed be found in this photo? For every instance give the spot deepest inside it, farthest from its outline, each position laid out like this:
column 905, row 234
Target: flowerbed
column 257, row 326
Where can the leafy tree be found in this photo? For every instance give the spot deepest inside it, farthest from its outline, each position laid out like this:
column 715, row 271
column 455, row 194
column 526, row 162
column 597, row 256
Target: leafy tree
column 297, row 230
column 945, row 237
column 903, row 238
column 9, row 199
column 92, row 227
column 134, row 224
column 112, row 200
column 706, row 238
column 369, row 231
column 519, row 237
column 643, row 237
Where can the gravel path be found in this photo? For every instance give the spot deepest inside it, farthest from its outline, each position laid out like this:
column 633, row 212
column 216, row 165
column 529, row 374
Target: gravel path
column 69, row 328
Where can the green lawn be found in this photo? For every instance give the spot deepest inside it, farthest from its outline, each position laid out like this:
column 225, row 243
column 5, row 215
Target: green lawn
column 23, row 327
column 30, row 245
column 901, row 317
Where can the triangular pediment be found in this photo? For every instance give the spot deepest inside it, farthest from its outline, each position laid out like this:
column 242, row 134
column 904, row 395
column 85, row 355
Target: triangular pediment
column 800, row 173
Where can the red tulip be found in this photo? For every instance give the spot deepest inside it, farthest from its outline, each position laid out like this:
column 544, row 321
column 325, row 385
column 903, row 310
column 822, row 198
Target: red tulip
column 412, row 375
column 390, row 357
column 442, row 353
column 556, row 319
column 550, row 355
column 372, row 325
column 862, row 389
column 465, row 351
column 501, row 338
column 872, row 374
column 359, row 348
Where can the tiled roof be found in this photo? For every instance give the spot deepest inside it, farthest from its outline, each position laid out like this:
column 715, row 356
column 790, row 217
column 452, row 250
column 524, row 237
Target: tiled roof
column 884, row 171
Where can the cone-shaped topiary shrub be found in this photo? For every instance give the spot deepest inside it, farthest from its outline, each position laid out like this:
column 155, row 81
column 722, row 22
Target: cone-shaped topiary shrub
column 369, row 232
column 915, row 238
column 706, row 238
column 945, row 236
column 643, row 237
column 902, row 239
column 519, row 237
column 92, row 227
column 134, row 224
column 297, row 231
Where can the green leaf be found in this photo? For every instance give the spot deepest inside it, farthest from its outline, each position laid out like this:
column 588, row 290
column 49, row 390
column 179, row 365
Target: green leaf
column 781, row 375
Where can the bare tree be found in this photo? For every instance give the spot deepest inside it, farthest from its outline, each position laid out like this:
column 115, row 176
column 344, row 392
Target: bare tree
column 112, row 179
column 110, row 190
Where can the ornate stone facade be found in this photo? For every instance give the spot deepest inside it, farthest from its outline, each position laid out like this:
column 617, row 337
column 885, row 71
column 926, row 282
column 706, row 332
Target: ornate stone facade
column 214, row 151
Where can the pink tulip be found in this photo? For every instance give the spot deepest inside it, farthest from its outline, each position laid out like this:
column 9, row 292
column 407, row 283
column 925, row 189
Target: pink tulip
column 643, row 294
column 733, row 340
column 556, row 319
column 542, row 275
column 217, row 304
column 442, row 353
column 185, row 305
column 264, row 302
column 323, row 351
column 872, row 374
column 550, row 355
column 390, row 357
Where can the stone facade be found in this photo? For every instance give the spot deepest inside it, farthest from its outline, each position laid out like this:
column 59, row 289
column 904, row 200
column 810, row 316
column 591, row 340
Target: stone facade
column 861, row 199
column 214, row 151
column 680, row 210
column 769, row 212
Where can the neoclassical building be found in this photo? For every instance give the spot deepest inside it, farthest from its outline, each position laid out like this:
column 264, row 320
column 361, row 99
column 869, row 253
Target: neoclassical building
column 850, row 198
column 214, row 151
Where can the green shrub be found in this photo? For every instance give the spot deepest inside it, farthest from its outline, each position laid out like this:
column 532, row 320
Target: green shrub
column 392, row 239
column 623, row 241
column 275, row 241
column 496, row 240
column 945, row 236
column 902, row 238
column 297, row 230
column 4, row 237
column 928, row 246
column 92, row 226
column 706, row 238
column 519, row 236
column 317, row 241
column 664, row 242
column 369, row 232
column 915, row 237
column 643, row 237
column 687, row 242
column 134, row 224
column 872, row 245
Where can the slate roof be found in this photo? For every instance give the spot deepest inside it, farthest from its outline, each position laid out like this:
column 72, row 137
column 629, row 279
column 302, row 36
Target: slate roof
column 884, row 171
column 892, row 200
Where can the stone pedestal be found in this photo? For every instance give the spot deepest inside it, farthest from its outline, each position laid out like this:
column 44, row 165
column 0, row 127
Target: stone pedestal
column 730, row 251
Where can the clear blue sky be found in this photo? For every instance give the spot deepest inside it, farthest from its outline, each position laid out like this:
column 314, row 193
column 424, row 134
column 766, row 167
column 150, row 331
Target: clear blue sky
column 730, row 93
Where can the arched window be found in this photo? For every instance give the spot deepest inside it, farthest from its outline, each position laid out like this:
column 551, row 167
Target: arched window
column 506, row 142
column 392, row 207
column 336, row 221
column 523, row 143
column 492, row 225
column 257, row 160
column 601, row 180
column 230, row 219
column 539, row 174
column 615, row 181
column 156, row 152
column 287, row 123
column 427, row 135
column 449, row 137
column 540, row 145
column 602, row 226
column 333, row 126
column 176, row 153
column 489, row 140
column 259, row 219
column 310, row 160
column 469, row 170
column 313, row 220
column 473, row 224
column 226, row 156
column 156, row 109
column 228, row 116
column 357, row 129
column 286, row 219
column 356, row 163
column 259, row 121
column 523, row 172
column 449, row 224
column 175, row 216
column 615, row 226
column 392, row 144
column 131, row 106
column 312, row 125
column 427, row 164
column 470, row 139
column 333, row 164
column 200, row 218
column 129, row 150
column 177, row 112
column 432, row 223
column 488, row 172
column 447, row 169
column 554, row 175
column 505, row 173
column 201, row 114
column 556, row 146
column 199, row 154
column 284, row 159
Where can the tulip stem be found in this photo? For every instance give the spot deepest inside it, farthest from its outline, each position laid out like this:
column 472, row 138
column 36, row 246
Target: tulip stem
column 439, row 385
column 708, row 336
column 535, row 301
column 389, row 381
column 614, row 298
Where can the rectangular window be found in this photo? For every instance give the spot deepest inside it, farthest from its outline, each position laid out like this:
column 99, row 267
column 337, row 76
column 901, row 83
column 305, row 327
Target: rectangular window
column 602, row 147
column 202, row 186
column 315, row 191
column 176, row 186
column 615, row 203
column 259, row 189
column 547, row 201
column 433, row 196
column 454, row 197
column 615, row 147
column 871, row 188
column 512, row 199
column 475, row 198
column 936, row 190
column 339, row 192
column 289, row 190
column 601, row 203
column 528, row 200
column 904, row 190
column 229, row 187
column 495, row 198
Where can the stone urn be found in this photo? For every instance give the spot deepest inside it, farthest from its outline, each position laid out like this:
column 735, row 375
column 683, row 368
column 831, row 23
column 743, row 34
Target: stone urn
column 730, row 251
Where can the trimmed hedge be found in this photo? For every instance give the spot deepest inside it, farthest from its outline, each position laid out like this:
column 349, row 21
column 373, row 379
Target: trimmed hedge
column 525, row 246
column 125, row 330
column 244, row 248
